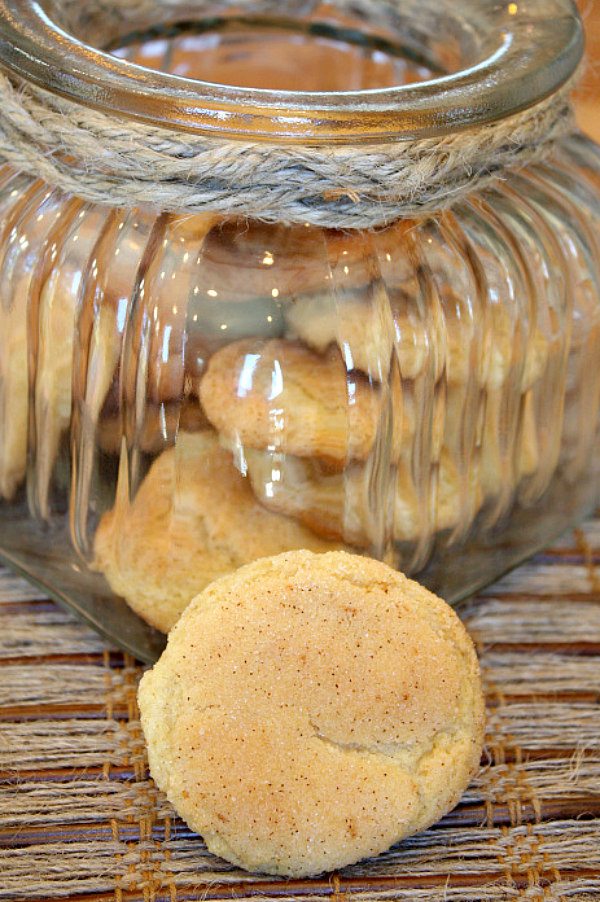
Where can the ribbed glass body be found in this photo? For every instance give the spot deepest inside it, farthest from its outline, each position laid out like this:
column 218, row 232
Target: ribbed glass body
column 182, row 394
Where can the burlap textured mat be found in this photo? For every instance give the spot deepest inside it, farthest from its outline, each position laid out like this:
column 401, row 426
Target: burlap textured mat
column 80, row 820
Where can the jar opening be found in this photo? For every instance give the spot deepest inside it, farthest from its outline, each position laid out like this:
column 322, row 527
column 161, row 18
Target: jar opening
column 279, row 54
column 360, row 71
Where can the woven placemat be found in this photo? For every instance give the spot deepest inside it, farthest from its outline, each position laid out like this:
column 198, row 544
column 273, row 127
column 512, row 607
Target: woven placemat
column 81, row 820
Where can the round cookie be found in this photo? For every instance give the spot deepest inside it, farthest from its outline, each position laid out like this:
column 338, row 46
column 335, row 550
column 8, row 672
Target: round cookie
column 52, row 387
column 339, row 505
column 60, row 369
column 312, row 710
column 364, row 328
column 332, row 504
column 193, row 519
column 280, row 395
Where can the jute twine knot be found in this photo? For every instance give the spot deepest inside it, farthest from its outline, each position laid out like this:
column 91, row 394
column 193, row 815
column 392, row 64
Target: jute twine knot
column 111, row 160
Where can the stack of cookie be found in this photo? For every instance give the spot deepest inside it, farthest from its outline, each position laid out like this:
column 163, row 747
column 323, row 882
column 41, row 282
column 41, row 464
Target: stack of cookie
column 370, row 391
column 345, row 390
column 193, row 519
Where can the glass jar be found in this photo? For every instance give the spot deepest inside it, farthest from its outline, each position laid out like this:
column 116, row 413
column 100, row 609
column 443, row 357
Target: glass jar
column 182, row 393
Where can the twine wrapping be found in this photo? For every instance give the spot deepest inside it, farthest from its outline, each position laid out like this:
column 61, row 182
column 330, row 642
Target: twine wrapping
column 111, row 160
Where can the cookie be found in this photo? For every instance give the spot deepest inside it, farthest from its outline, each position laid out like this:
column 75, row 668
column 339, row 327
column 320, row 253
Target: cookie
column 312, row 710
column 14, row 388
column 51, row 389
column 509, row 449
column 369, row 328
column 194, row 518
column 28, row 215
column 343, row 506
column 333, row 505
column 509, row 350
column 246, row 259
column 365, row 328
column 280, row 395
column 56, row 321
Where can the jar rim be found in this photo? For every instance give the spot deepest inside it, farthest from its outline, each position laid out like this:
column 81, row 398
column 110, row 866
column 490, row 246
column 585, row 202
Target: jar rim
column 537, row 47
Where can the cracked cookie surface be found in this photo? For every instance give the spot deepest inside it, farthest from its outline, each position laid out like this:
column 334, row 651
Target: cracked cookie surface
column 311, row 710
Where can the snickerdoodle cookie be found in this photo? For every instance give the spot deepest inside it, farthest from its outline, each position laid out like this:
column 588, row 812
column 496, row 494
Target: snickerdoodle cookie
column 48, row 395
column 351, row 506
column 371, row 326
column 279, row 395
column 311, row 710
column 193, row 519
column 366, row 328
